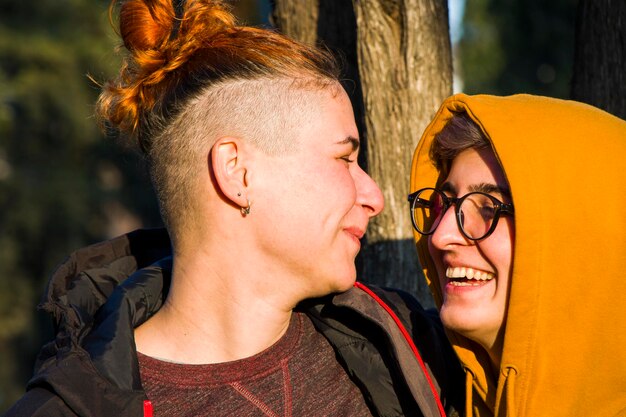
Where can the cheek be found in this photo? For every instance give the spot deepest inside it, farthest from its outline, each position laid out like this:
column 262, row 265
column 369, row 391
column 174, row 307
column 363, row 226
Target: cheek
column 431, row 248
column 323, row 195
column 435, row 256
column 499, row 247
column 349, row 189
column 338, row 186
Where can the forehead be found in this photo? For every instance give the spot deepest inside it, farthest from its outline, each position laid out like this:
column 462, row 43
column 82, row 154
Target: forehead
column 473, row 166
column 329, row 120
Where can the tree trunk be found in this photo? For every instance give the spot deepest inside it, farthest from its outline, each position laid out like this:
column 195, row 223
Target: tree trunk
column 398, row 63
column 600, row 55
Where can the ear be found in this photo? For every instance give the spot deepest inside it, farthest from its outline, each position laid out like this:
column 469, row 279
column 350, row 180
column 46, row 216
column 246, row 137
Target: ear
column 229, row 169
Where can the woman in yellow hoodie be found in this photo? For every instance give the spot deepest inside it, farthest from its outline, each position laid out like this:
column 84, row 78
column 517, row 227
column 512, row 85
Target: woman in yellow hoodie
column 519, row 205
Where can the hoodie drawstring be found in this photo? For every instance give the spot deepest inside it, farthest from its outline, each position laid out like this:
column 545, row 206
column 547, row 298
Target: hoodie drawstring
column 469, row 390
column 507, row 386
column 511, row 373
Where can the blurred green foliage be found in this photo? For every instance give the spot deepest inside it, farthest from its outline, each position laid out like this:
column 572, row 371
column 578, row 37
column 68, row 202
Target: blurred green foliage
column 63, row 185
column 514, row 46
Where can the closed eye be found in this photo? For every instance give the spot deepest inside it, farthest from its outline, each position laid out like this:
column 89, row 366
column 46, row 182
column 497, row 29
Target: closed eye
column 352, row 144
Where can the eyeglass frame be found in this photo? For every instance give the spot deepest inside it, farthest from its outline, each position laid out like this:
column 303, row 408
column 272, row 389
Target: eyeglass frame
column 501, row 208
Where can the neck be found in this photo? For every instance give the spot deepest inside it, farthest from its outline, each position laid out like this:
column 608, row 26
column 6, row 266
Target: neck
column 494, row 350
column 218, row 309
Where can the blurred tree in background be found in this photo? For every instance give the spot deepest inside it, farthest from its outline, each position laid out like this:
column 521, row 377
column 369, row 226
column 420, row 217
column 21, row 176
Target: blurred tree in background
column 513, row 46
column 62, row 184
column 600, row 57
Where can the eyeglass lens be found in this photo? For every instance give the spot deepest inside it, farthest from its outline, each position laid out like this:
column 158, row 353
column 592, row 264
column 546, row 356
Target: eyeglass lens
column 476, row 212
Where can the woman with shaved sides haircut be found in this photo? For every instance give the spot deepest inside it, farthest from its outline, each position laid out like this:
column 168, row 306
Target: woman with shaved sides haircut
column 247, row 305
column 518, row 209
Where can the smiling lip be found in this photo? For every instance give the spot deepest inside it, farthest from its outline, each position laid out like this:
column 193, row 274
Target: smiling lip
column 466, row 277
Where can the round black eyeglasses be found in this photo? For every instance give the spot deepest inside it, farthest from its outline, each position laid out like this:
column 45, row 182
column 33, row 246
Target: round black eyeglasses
column 477, row 213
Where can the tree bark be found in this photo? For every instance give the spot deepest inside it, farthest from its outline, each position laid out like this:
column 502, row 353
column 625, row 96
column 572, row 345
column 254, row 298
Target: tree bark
column 600, row 55
column 398, row 62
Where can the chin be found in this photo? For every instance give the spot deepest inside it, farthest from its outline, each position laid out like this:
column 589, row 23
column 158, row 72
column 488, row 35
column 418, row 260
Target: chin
column 337, row 283
column 347, row 286
column 344, row 281
column 459, row 320
column 475, row 327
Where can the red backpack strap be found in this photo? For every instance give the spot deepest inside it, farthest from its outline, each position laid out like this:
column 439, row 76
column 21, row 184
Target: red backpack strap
column 148, row 411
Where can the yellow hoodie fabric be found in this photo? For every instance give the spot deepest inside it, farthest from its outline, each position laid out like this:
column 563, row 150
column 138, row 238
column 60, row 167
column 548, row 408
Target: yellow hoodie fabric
column 564, row 348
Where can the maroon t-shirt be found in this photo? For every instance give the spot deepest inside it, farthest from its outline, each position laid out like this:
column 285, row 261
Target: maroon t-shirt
column 297, row 376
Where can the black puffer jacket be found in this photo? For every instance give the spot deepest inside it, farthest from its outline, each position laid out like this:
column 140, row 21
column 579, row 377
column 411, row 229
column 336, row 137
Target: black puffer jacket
column 102, row 292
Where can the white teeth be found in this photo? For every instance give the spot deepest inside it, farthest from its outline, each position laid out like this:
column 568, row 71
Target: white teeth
column 464, row 284
column 469, row 273
column 455, row 272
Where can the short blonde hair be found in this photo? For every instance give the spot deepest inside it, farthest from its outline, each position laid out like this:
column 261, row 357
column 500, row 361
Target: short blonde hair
column 193, row 73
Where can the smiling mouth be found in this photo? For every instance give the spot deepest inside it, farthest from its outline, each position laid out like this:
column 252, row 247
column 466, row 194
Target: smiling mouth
column 462, row 276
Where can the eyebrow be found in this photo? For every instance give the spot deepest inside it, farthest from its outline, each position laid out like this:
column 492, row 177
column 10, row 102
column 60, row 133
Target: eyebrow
column 352, row 141
column 483, row 187
column 488, row 188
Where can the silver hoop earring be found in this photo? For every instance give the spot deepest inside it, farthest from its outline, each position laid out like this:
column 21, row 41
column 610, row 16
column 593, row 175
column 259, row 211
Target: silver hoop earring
column 246, row 210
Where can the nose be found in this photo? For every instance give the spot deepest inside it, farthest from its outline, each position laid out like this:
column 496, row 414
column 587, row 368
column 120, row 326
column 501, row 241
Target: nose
column 447, row 232
column 368, row 195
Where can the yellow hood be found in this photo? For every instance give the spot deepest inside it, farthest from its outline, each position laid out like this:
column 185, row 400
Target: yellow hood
column 564, row 348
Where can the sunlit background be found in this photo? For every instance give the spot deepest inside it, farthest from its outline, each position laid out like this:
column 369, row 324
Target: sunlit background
column 63, row 185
